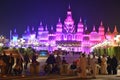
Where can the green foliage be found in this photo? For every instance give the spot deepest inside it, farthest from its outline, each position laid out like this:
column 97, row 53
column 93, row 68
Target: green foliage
column 109, row 51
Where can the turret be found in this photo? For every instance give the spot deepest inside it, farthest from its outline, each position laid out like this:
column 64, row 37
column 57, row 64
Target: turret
column 80, row 28
column 46, row 28
column 33, row 34
column 15, row 35
column 94, row 29
column 102, row 31
column 52, row 28
column 108, row 31
column 59, row 26
column 28, row 29
column 40, row 30
column 115, row 32
column 86, row 31
column 33, row 31
column 108, row 34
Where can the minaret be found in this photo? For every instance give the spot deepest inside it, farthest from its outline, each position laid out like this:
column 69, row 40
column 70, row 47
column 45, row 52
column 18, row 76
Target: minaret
column 28, row 29
column 108, row 34
column 10, row 35
column 86, row 31
column 101, row 31
column 115, row 32
column 46, row 28
column 94, row 29
column 52, row 28
column 59, row 26
column 33, row 33
column 40, row 30
column 15, row 35
column 80, row 28
column 108, row 31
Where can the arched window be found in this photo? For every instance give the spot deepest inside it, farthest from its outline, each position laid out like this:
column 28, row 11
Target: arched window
column 62, row 37
column 69, row 37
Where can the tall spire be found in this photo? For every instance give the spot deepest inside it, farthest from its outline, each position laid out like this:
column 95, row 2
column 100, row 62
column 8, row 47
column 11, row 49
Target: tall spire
column 94, row 28
column 46, row 28
column 80, row 19
column 69, row 8
column 10, row 34
column 14, row 30
column 86, row 28
column 108, row 30
column 101, row 23
column 115, row 29
column 28, row 29
column 32, row 28
column 59, row 20
column 40, row 23
column 51, row 27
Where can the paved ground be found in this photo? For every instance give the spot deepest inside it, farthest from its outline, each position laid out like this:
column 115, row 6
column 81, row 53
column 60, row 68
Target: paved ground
column 58, row 77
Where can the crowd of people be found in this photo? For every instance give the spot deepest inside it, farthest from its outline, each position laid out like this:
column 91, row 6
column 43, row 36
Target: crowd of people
column 84, row 65
column 13, row 65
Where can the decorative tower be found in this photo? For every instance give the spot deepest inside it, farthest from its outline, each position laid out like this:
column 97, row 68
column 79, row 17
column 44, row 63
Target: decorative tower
column 115, row 32
column 94, row 37
column 40, row 30
column 108, row 34
column 102, row 31
column 46, row 28
column 86, row 41
column 15, row 36
column 33, row 34
column 59, row 26
column 59, row 30
column 80, row 30
column 52, row 39
column 69, row 22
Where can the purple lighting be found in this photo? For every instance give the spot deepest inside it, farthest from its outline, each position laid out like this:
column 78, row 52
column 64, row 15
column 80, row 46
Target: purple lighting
column 66, row 37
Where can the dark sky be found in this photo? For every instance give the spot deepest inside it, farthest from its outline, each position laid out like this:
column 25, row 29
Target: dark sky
column 21, row 13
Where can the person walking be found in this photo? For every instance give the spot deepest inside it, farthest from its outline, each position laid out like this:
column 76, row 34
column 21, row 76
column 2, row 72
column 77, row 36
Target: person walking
column 109, row 65
column 114, row 65
column 83, row 65
column 11, row 63
column 104, row 65
column 26, row 61
column 6, row 61
column 94, row 66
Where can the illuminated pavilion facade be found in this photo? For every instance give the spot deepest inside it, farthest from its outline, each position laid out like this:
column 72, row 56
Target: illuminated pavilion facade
column 68, row 36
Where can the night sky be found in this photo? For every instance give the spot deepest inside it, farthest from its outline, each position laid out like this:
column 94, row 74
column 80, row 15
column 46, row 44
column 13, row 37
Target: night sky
column 21, row 13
